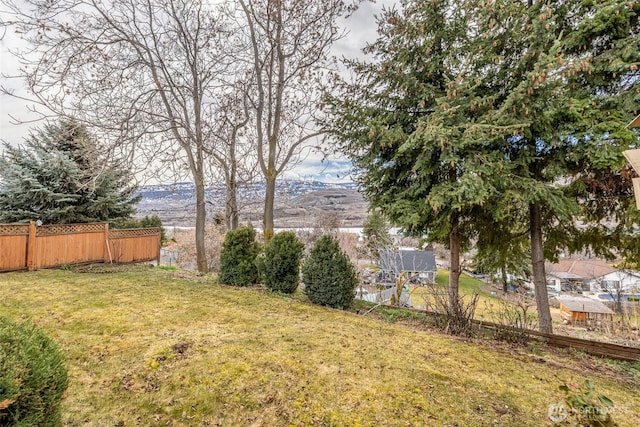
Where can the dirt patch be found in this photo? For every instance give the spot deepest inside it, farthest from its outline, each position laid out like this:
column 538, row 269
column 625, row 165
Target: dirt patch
column 109, row 268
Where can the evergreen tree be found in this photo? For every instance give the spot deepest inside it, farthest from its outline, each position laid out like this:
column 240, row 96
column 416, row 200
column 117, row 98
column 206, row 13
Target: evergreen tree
column 280, row 263
column 329, row 277
column 425, row 172
column 238, row 257
column 563, row 76
column 154, row 221
column 497, row 116
column 59, row 177
column 376, row 234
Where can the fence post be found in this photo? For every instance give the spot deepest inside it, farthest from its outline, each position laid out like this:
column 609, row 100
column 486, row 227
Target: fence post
column 159, row 245
column 106, row 242
column 31, row 246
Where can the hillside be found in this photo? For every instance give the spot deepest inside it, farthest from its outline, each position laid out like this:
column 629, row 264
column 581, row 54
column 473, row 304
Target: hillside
column 150, row 347
column 347, row 206
column 297, row 203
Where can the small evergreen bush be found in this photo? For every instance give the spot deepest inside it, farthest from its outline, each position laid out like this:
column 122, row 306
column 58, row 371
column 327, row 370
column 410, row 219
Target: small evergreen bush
column 328, row 275
column 146, row 222
column 154, row 221
column 280, row 263
column 238, row 257
column 33, row 376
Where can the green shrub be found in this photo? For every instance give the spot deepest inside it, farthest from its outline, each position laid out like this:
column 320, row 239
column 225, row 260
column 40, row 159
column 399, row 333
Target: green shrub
column 146, row 222
column 328, row 275
column 154, row 221
column 280, row 263
column 33, row 376
column 583, row 408
column 238, row 257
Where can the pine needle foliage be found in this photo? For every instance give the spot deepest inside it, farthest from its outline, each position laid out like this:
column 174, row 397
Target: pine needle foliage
column 34, row 376
column 238, row 257
column 280, row 262
column 60, row 177
column 328, row 275
column 485, row 115
column 376, row 234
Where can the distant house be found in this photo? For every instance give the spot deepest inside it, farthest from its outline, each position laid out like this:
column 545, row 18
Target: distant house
column 633, row 157
column 419, row 266
column 635, row 123
column 590, row 275
column 583, row 310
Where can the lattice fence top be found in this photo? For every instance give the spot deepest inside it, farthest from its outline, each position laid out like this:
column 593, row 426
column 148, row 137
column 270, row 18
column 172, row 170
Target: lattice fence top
column 50, row 230
column 133, row 232
column 14, row 229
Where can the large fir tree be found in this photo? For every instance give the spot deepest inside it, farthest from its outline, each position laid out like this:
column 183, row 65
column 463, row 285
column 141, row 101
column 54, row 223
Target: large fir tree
column 60, row 177
column 417, row 159
column 564, row 76
column 489, row 115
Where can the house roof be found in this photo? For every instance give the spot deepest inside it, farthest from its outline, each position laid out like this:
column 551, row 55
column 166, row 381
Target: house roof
column 407, row 260
column 635, row 123
column 566, row 275
column 583, row 305
column 568, row 268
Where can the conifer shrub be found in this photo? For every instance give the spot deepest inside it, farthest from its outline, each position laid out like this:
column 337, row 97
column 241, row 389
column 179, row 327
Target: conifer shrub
column 33, row 376
column 146, row 222
column 238, row 257
column 328, row 275
column 280, row 262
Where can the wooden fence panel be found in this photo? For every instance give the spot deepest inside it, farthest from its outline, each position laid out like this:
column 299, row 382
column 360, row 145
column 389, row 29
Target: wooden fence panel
column 25, row 246
column 14, row 239
column 69, row 244
column 134, row 245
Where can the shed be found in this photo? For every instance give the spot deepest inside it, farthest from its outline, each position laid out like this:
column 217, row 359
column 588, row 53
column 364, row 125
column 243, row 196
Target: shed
column 418, row 265
column 583, row 310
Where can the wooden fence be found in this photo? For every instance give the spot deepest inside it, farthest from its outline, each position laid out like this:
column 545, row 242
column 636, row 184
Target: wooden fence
column 32, row 247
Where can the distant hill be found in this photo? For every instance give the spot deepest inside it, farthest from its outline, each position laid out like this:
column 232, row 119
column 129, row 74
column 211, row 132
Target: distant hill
column 298, row 203
column 347, row 206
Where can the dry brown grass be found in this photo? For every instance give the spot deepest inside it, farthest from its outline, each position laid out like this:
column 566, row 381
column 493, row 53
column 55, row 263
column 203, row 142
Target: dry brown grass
column 159, row 348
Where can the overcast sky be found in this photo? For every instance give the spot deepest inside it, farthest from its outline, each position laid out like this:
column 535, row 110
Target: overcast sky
column 362, row 29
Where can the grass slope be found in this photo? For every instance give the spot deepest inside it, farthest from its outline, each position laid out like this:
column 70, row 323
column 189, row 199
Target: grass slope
column 152, row 348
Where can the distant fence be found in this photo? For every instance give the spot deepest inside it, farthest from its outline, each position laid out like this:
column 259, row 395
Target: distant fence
column 595, row 348
column 32, row 247
column 386, row 297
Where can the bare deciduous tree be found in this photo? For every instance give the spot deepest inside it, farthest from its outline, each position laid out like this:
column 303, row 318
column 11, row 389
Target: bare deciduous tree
column 289, row 43
column 233, row 148
column 139, row 71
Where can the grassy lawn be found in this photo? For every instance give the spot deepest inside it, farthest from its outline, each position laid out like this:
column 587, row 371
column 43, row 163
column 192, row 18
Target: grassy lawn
column 467, row 286
column 150, row 347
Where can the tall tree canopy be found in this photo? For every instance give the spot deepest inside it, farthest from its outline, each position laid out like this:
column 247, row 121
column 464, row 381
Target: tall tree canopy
column 485, row 115
column 425, row 172
column 143, row 72
column 60, row 177
column 376, row 234
column 287, row 49
column 564, row 76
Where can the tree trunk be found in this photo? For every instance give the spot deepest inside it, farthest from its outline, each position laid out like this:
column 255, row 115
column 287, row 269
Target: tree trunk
column 505, row 285
column 231, row 202
column 201, row 215
column 539, row 276
column 231, row 209
column 454, row 275
column 269, row 197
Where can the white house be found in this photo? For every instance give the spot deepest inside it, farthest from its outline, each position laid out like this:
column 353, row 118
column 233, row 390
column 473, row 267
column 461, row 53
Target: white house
column 592, row 275
column 618, row 281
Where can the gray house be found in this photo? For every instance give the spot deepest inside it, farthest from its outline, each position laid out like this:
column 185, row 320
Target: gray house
column 419, row 266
